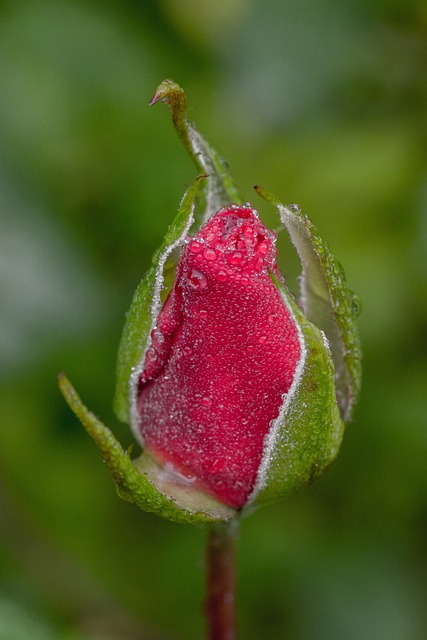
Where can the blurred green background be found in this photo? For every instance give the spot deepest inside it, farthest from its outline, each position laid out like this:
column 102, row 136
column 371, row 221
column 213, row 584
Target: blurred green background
column 322, row 102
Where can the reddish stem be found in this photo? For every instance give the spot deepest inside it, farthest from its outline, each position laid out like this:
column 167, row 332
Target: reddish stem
column 221, row 581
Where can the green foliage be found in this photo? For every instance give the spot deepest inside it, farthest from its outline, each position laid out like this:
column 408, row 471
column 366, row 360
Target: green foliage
column 326, row 300
column 311, row 431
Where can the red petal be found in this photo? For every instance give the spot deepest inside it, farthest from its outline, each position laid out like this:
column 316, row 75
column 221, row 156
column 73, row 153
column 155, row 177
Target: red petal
column 222, row 355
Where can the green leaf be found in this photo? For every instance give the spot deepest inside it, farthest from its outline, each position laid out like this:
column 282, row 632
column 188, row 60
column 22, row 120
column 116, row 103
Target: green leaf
column 306, row 436
column 326, row 300
column 219, row 190
column 143, row 483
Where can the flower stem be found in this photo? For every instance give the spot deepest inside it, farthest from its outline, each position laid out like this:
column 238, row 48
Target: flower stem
column 221, row 581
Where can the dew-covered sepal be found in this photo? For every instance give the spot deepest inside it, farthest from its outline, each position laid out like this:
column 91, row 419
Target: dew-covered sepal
column 219, row 189
column 305, row 437
column 326, row 301
column 134, row 479
column 147, row 303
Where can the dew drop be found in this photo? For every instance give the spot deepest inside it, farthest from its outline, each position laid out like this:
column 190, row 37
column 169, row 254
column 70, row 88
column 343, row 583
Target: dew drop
column 236, row 258
column 151, row 354
column 295, row 207
column 247, row 205
column 262, row 339
column 221, row 275
column 194, row 246
column 203, row 313
column 263, row 248
column 186, row 351
column 209, row 254
column 356, row 305
column 271, row 318
column 157, row 336
column 206, row 401
column 197, row 279
column 250, row 348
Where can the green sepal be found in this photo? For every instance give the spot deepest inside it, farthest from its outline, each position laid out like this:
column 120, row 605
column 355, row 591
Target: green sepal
column 219, row 190
column 133, row 479
column 326, row 300
column 306, row 436
column 147, row 300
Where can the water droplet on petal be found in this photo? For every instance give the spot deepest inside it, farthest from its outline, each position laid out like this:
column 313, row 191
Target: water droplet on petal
column 157, row 336
column 236, row 257
column 194, row 246
column 206, row 401
column 209, row 254
column 197, row 279
column 262, row 339
column 203, row 313
column 263, row 248
column 221, row 275
column 295, row 207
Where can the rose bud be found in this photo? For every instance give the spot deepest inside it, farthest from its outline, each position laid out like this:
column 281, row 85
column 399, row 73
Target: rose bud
column 236, row 393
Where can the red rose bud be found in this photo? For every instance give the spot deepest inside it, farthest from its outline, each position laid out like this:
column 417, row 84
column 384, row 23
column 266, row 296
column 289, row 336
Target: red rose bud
column 236, row 393
column 224, row 353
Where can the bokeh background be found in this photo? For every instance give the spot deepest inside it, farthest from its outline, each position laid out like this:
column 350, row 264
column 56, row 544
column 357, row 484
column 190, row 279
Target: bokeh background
column 324, row 102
